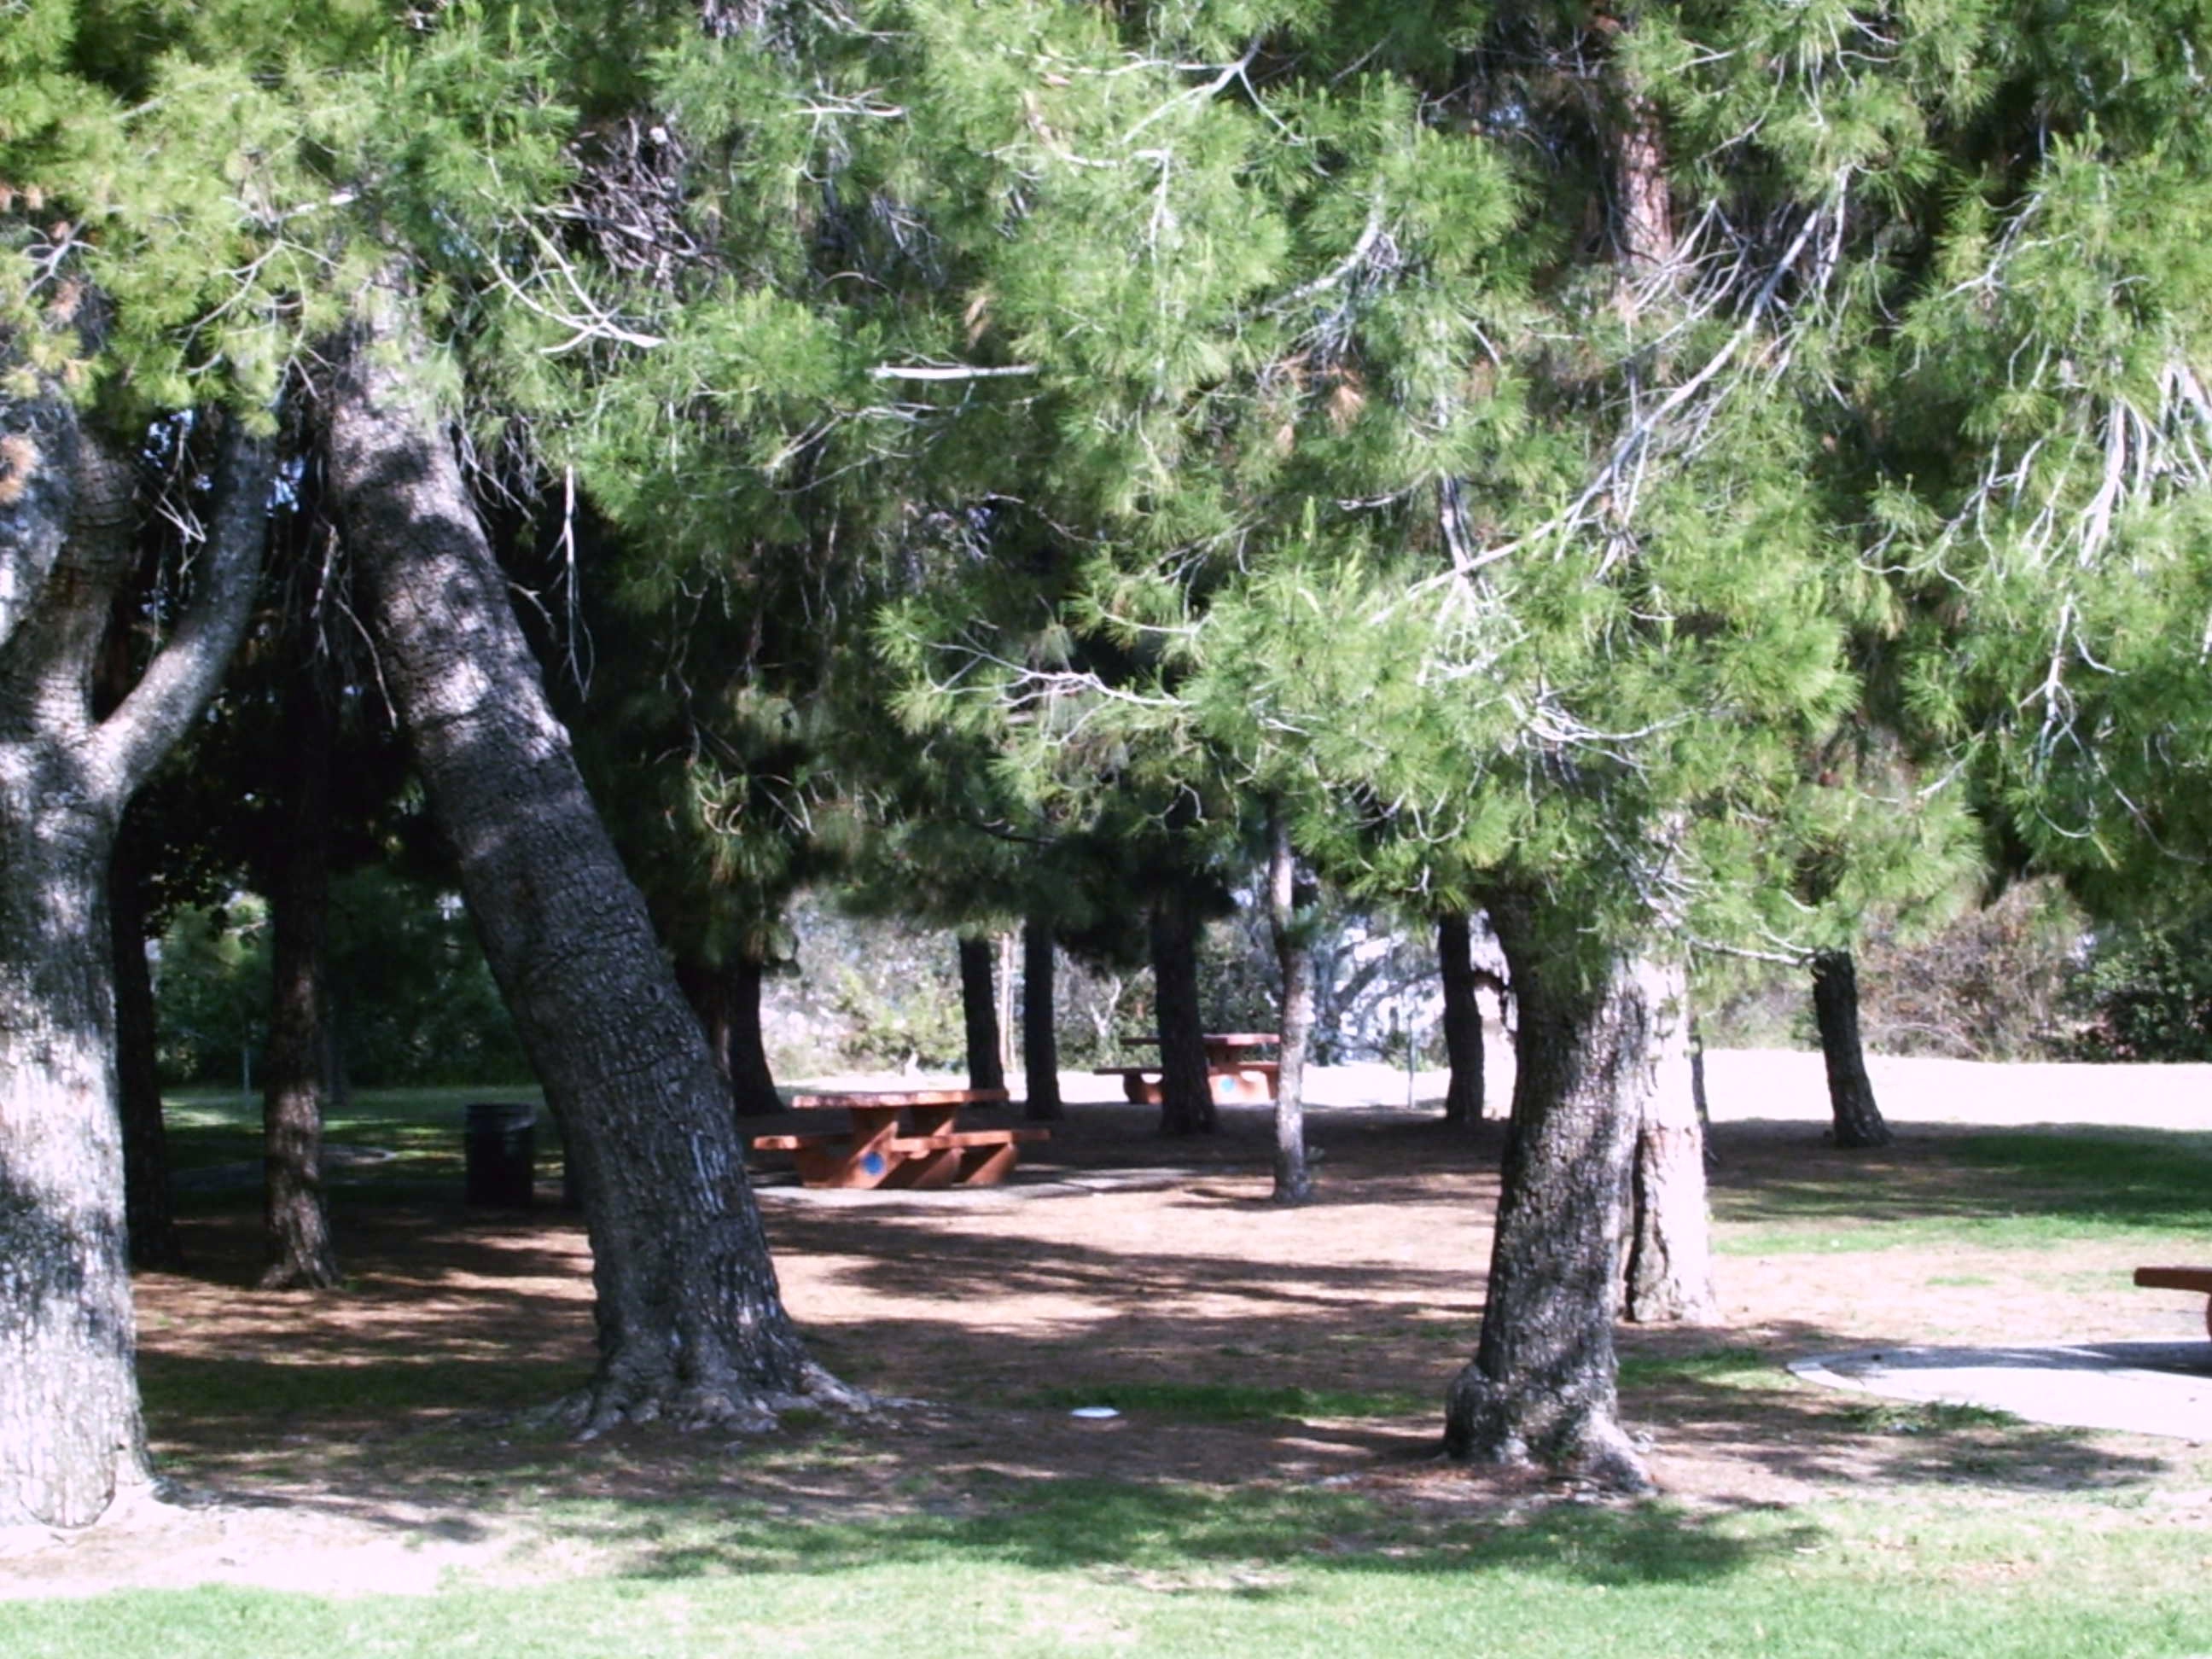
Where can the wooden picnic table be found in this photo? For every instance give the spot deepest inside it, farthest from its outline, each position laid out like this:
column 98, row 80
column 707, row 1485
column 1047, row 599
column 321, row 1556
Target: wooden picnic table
column 883, row 1148
column 1233, row 1070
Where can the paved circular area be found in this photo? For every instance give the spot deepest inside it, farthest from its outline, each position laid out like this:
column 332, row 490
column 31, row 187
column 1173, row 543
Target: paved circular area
column 2142, row 1388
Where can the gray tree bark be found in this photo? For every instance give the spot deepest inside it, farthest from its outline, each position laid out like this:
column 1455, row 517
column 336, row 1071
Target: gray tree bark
column 1858, row 1120
column 691, row 1319
column 72, row 1439
column 1670, row 1250
column 979, row 1012
column 1462, row 1019
column 1040, row 1032
column 148, row 1200
column 1186, row 1090
column 296, row 1080
column 1542, row 1383
column 1294, row 1032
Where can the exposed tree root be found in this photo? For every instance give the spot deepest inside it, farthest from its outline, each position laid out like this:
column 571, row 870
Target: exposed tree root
column 1482, row 1425
column 693, row 1408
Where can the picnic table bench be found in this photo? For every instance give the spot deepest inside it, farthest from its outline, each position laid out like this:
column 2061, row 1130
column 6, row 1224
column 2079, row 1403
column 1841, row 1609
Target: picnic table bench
column 2180, row 1278
column 1232, row 1071
column 882, row 1148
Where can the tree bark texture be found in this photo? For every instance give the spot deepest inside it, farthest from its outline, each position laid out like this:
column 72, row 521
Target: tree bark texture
column 1858, row 1120
column 1670, row 1249
column 1462, row 1020
column 979, row 1011
column 148, row 1201
column 71, row 1441
column 1542, row 1385
column 295, row 1067
column 691, row 1319
column 1186, row 1090
column 1294, row 1029
column 1040, row 1032
column 727, row 998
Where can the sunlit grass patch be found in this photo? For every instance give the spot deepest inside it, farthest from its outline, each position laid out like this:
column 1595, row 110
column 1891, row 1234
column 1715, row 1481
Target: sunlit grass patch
column 1052, row 1568
column 2018, row 1190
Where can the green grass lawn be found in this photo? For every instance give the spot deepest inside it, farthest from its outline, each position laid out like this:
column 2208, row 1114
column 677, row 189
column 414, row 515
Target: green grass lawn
column 1051, row 1568
column 1980, row 1537
column 213, row 1132
column 2016, row 1190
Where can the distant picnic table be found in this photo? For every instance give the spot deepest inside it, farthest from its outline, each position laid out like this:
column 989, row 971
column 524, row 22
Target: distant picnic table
column 1234, row 1071
column 901, row 1138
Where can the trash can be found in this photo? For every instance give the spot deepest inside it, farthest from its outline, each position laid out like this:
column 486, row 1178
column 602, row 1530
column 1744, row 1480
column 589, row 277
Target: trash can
column 500, row 1144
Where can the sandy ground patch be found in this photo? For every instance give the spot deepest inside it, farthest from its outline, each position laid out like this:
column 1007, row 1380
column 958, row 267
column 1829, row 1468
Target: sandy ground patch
column 1154, row 1260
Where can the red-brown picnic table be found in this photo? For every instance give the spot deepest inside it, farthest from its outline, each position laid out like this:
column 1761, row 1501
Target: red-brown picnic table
column 880, row 1150
column 1233, row 1070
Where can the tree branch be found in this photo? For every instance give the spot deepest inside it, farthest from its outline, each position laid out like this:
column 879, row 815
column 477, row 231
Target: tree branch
column 37, row 485
column 177, row 684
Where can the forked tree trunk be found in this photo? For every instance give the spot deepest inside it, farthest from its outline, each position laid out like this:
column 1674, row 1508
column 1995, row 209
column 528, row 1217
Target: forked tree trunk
column 1040, row 1032
column 979, row 1012
column 1858, row 1120
column 691, row 1319
column 1462, row 1019
column 1670, row 1249
column 71, row 1440
column 1294, row 1030
column 727, row 998
column 1186, row 1090
column 296, row 1086
column 1542, row 1383
column 148, row 1201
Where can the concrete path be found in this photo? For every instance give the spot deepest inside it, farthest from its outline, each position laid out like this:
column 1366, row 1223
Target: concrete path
column 2142, row 1388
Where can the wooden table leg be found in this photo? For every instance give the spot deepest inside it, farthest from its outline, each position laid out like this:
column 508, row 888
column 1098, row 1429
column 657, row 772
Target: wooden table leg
column 986, row 1166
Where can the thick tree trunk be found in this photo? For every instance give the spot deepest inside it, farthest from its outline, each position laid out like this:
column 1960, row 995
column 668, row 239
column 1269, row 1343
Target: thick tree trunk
column 1040, row 1032
column 146, row 1199
column 1670, row 1251
column 727, row 998
column 1186, row 1090
column 70, row 1437
column 295, row 1086
column 1858, row 1120
column 691, row 1319
column 1541, row 1384
column 1294, row 1029
column 71, row 1441
column 979, row 1012
column 1462, row 1019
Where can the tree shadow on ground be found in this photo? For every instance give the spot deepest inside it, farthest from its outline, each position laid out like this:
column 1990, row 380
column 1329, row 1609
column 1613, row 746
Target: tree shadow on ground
column 1741, row 1403
column 1179, row 1536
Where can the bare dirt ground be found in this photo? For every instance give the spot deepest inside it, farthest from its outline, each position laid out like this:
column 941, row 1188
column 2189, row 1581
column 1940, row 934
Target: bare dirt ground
column 1118, row 1258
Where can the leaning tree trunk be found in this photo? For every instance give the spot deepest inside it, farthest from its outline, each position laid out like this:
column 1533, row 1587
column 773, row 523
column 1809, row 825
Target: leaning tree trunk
column 727, row 998
column 295, row 1086
column 1294, row 1029
column 1040, row 1033
column 1462, row 1019
column 1541, row 1384
column 1670, row 1249
column 1186, row 1090
column 691, row 1319
column 1851, row 1093
column 979, row 1012
column 71, row 1440
column 146, row 1197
